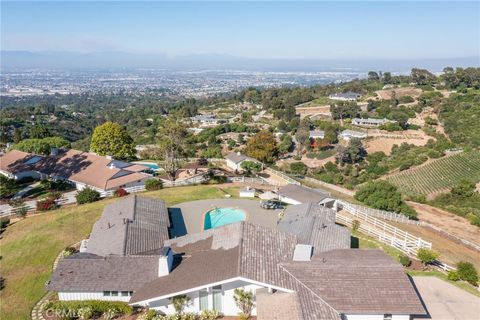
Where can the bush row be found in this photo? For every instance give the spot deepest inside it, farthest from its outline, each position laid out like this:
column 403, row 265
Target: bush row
column 88, row 308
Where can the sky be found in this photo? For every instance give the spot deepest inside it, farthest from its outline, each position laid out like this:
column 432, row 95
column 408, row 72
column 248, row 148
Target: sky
column 262, row 30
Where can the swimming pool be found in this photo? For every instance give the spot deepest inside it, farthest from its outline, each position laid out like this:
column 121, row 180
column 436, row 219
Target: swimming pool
column 221, row 216
column 151, row 165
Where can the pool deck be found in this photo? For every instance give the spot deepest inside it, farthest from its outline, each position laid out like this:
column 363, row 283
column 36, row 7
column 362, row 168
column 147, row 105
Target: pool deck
column 188, row 217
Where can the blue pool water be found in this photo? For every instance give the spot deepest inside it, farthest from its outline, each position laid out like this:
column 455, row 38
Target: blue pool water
column 222, row 216
column 151, row 165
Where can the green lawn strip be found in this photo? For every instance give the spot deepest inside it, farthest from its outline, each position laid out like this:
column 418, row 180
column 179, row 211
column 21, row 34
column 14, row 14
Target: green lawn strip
column 435, row 273
column 29, row 247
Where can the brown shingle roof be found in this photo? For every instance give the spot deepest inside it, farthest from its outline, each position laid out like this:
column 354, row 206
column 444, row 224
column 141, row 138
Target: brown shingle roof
column 16, row 161
column 236, row 250
column 355, row 281
column 90, row 273
column 315, row 225
column 130, row 226
column 278, row 306
column 302, row 194
column 77, row 166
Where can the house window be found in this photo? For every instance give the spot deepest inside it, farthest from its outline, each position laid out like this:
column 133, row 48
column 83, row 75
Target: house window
column 203, row 299
column 125, row 293
column 387, row 317
column 114, row 293
column 217, row 298
column 106, row 293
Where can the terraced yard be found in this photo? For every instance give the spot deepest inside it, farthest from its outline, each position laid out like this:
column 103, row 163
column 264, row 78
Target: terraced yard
column 439, row 175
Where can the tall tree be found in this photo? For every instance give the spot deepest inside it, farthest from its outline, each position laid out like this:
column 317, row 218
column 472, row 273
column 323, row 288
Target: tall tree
column 172, row 135
column 262, row 146
column 112, row 139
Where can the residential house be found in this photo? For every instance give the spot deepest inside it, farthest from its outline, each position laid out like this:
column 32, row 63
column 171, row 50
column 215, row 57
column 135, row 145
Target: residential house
column 345, row 96
column 207, row 120
column 234, row 160
column 297, row 194
column 349, row 134
column 83, row 169
column 317, row 134
column 369, row 122
column 291, row 277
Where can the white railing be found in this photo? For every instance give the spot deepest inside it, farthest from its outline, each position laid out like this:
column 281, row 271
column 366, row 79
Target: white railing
column 387, row 215
column 282, row 175
column 31, row 206
column 443, row 266
column 243, row 179
column 389, row 235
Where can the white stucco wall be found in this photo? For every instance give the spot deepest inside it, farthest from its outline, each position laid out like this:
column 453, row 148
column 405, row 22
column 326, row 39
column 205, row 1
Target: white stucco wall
column 374, row 317
column 232, row 165
column 65, row 296
column 228, row 303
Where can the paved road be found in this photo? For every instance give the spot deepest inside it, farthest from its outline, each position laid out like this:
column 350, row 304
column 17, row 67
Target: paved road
column 445, row 301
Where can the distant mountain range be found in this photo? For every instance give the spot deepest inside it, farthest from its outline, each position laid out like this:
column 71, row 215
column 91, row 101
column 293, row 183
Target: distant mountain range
column 74, row 60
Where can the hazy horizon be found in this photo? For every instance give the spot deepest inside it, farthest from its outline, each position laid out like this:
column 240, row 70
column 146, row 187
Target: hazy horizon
column 316, row 31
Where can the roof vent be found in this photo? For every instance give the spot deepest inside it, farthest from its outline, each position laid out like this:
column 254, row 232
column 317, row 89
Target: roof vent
column 303, row 252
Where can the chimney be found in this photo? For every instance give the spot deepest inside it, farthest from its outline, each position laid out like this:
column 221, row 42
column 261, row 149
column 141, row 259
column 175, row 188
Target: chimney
column 54, row 151
column 165, row 262
column 303, row 252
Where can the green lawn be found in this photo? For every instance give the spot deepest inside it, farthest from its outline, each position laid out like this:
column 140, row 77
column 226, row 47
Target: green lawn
column 29, row 247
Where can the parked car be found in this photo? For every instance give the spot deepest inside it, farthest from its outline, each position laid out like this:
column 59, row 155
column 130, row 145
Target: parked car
column 271, row 205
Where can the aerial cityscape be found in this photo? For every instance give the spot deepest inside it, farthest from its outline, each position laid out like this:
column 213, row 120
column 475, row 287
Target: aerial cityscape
column 275, row 160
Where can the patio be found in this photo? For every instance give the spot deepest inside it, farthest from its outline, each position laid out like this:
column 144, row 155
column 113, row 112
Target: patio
column 188, row 217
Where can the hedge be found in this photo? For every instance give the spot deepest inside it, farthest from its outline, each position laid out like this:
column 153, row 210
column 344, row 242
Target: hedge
column 87, row 195
column 97, row 307
column 153, row 184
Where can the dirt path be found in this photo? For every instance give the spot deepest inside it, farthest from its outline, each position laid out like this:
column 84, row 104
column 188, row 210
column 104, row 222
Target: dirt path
column 451, row 251
column 447, row 221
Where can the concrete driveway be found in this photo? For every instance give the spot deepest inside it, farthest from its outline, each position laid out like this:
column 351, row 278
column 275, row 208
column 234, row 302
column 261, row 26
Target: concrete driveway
column 188, row 217
column 445, row 301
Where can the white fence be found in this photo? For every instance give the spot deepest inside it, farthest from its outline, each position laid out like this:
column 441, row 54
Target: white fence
column 243, row 179
column 31, row 206
column 282, row 176
column 387, row 215
column 382, row 231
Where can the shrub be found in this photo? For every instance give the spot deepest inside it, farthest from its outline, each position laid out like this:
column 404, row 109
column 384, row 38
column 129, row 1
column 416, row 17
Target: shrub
column 85, row 313
column 298, row 168
column 120, row 193
column 153, row 184
column 466, row 271
column 404, row 260
column 355, row 225
column 69, row 251
column 46, row 204
column 87, row 195
column 209, row 315
column 54, row 195
column 148, row 315
column 427, row 256
column 21, row 211
column 4, row 222
column 98, row 308
column 453, row 275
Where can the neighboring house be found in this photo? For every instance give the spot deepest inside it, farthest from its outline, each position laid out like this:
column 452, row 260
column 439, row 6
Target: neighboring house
column 317, row 134
column 369, row 122
column 81, row 168
column 291, row 277
column 234, row 160
column 349, row 134
column 346, row 96
column 297, row 194
column 207, row 120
